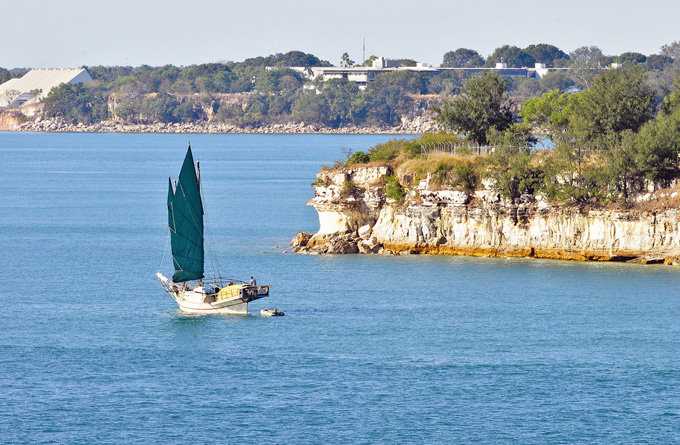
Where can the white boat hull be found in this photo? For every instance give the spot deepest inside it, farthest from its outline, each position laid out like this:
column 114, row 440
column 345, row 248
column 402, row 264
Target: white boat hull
column 233, row 307
column 196, row 301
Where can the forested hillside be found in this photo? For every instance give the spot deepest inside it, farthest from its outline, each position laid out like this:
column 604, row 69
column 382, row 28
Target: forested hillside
column 265, row 90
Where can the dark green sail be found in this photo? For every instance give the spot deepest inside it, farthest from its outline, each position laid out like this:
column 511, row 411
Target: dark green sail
column 185, row 219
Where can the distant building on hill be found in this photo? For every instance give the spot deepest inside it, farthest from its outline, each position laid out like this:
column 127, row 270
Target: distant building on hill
column 37, row 83
column 363, row 75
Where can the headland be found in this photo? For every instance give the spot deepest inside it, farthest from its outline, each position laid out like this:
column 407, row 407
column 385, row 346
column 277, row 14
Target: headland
column 405, row 209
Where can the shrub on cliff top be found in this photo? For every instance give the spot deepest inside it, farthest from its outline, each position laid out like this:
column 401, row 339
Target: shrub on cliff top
column 394, row 190
column 358, row 157
column 445, row 169
column 348, row 189
column 466, row 177
column 441, row 172
column 385, row 152
column 457, row 173
column 408, row 149
column 514, row 173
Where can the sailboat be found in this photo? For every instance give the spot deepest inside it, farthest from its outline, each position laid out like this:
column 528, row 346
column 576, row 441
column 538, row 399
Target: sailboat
column 188, row 285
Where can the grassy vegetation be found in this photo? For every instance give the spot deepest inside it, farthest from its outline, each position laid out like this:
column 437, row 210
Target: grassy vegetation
column 459, row 169
column 512, row 172
column 348, row 189
column 393, row 189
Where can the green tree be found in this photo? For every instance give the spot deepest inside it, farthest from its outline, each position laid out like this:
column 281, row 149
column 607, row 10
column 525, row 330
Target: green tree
column 618, row 100
column 76, row 103
column 229, row 112
column 393, row 189
column 631, row 58
column 188, row 111
column 516, row 135
column 204, row 78
column 462, row 58
column 557, row 80
column 545, row 53
column 671, row 102
column 310, row 108
column 108, row 74
column 291, row 58
column 340, row 96
column 345, row 61
column 358, row 157
column 550, row 112
column 4, row 75
column 387, row 98
column 369, row 61
column 514, row 57
column 597, row 154
column 128, row 109
column 465, row 177
column 407, row 62
column 161, row 108
column 621, row 172
column 523, row 88
column 408, row 81
column 385, row 105
column 294, row 58
column 658, row 62
column 586, row 63
column 256, row 110
column 513, row 173
column 671, row 50
column 481, row 105
column 447, row 83
column 658, row 145
column 282, row 80
column 586, row 54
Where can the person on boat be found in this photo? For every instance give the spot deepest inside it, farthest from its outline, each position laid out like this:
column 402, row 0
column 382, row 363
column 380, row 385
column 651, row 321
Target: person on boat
column 252, row 281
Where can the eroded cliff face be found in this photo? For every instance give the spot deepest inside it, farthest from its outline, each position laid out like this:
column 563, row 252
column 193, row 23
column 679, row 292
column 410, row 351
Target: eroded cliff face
column 356, row 217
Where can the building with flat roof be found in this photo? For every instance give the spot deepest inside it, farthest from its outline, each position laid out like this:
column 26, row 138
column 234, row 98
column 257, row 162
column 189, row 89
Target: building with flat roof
column 363, row 75
column 37, row 84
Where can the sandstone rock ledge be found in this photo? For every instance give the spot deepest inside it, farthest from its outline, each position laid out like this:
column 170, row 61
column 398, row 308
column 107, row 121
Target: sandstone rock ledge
column 360, row 219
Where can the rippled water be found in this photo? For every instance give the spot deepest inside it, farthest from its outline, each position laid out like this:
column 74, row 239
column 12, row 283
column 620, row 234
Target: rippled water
column 372, row 349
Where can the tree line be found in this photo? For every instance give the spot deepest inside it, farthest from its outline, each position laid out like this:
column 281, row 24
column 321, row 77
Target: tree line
column 611, row 140
column 265, row 90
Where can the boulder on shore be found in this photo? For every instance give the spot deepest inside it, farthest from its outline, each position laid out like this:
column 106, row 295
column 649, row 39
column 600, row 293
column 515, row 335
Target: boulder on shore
column 301, row 239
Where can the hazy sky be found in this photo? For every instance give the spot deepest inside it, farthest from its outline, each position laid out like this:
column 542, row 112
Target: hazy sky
column 71, row 33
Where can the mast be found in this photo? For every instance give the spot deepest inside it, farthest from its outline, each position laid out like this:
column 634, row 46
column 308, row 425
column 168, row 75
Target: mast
column 198, row 182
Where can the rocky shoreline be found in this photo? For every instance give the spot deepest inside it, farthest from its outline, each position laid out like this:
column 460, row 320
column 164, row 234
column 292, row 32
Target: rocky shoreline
column 413, row 126
column 432, row 220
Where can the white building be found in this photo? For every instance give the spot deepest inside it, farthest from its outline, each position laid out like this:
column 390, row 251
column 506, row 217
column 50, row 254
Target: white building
column 37, row 83
column 362, row 75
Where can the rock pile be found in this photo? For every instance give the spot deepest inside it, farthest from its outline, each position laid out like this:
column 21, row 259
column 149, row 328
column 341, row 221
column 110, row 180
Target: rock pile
column 418, row 125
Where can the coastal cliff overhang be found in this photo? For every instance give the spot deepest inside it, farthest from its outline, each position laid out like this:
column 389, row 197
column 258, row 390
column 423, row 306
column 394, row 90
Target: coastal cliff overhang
column 453, row 222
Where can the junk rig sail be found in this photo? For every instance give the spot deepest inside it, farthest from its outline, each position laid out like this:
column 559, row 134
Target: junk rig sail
column 187, row 286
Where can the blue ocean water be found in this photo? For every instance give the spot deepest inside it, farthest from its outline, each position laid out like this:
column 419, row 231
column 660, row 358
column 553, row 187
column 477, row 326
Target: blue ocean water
column 412, row 349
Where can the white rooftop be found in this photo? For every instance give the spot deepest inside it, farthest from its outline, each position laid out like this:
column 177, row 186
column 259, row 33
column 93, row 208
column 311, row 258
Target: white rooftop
column 42, row 80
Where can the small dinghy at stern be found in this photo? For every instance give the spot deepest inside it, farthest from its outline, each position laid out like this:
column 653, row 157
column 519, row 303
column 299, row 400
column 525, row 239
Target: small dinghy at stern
column 271, row 313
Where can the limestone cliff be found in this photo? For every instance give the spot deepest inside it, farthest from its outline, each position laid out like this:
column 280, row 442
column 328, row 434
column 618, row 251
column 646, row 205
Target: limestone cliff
column 356, row 217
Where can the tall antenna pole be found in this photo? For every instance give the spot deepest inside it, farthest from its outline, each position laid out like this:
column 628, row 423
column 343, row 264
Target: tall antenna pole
column 364, row 52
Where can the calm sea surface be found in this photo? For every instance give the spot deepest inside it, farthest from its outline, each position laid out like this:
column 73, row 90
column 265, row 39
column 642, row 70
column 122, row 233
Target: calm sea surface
column 412, row 349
